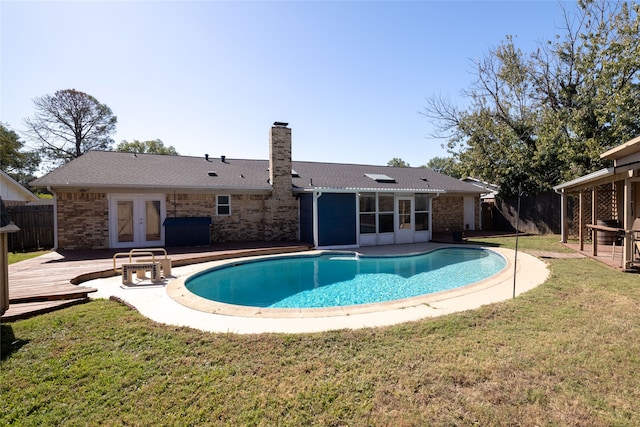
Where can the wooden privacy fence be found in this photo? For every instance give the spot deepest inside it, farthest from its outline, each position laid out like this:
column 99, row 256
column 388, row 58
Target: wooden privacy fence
column 36, row 227
column 539, row 213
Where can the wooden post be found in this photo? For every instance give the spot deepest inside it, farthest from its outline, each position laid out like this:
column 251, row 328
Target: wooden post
column 627, row 253
column 581, row 219
column 594, row 219
column 4, row 273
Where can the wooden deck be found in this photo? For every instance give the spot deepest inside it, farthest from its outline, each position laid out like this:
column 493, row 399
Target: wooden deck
column 607, row 254
column 54, row 280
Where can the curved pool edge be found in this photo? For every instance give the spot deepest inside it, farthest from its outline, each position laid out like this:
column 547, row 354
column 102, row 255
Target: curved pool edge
column 178, row 292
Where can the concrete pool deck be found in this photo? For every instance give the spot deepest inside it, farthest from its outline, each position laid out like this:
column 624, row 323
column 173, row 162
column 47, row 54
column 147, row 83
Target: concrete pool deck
column 158, row 302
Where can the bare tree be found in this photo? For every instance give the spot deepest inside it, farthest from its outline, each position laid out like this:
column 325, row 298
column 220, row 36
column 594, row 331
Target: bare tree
column 70, row 123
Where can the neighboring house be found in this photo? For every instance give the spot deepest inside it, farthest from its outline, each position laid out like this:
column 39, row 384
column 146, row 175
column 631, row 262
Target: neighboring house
column 118, row 200
column 12, row 192
column 490, row 191
column 605, row 203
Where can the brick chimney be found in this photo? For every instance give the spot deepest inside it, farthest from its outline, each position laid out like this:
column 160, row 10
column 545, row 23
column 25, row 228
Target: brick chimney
column 281, row 209
column 280, row 160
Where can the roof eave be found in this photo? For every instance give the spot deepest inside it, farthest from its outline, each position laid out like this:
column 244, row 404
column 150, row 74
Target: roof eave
column 58, row 187
column 585, row 180
column 622, row 150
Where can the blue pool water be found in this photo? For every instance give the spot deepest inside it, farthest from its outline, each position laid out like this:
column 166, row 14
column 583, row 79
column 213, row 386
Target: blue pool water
column 340, row 279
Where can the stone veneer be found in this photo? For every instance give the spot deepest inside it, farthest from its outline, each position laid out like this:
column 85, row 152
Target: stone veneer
column 249, row 220
column 448, row 213
column 83, row 220
column 281, row 209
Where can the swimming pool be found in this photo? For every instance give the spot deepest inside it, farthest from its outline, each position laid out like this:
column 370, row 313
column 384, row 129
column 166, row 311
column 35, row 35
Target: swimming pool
column 338, row 279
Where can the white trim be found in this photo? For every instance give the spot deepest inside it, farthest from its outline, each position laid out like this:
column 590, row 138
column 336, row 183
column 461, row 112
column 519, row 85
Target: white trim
column 594, row 176
column 402, row 235
column 13, row 188
column 469, row 212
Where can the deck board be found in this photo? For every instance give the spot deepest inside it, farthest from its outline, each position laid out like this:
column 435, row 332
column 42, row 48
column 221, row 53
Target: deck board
column 22, row 311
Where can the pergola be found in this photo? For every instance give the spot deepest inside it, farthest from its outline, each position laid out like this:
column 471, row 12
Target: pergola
column 623, row 177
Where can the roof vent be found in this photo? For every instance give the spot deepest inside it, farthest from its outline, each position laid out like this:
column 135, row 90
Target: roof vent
column 294, row 174
column 206, row 157
column 212, row 173
column 223, row 159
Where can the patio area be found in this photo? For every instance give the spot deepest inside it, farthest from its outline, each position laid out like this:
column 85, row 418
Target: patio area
column 156, row 303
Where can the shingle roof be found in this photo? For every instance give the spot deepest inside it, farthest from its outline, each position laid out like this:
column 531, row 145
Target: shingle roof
column 108, row 169
column 351, row 176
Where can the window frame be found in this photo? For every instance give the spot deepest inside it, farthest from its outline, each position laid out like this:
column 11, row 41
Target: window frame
column 384, row 216
column 223, row 205
column 421, row 212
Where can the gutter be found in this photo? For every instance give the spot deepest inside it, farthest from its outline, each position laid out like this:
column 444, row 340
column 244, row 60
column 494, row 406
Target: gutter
column 584, row 180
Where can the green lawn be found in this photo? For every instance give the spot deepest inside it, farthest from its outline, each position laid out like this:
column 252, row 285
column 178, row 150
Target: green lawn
column 21, row 256
column 566, row 353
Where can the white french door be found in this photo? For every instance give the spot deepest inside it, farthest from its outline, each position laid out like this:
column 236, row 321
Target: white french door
column 136, row 220
column 404, row 226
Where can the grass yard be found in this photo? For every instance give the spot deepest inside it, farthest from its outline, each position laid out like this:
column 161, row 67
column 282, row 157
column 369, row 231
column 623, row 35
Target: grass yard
column 21, row 256
column 566, row 353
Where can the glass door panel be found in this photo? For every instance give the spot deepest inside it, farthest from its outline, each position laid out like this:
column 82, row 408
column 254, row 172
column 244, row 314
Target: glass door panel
column 152, row 220
column 125, row 221
column 404, row 213
column 136, row 221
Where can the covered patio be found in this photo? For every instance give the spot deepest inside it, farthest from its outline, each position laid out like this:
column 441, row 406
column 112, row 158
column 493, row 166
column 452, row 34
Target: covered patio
column 599, row 214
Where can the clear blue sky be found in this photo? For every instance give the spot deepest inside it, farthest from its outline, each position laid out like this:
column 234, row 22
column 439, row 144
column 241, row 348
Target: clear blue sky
column 212, row 76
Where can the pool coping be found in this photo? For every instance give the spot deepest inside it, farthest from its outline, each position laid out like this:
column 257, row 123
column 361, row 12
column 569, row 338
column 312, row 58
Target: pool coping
column 177, row 290
column 157, row 301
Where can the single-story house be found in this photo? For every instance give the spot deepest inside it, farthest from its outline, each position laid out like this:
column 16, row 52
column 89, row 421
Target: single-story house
column 106, row 199
column 603, row 205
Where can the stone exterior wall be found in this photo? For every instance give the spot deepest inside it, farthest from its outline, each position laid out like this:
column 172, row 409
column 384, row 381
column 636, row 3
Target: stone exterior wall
column 83, row 220
column 250, row 218
column 448, row 213
column 246, row 222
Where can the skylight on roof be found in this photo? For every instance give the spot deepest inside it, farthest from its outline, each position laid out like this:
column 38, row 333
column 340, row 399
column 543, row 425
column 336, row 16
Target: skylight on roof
column 380, row 177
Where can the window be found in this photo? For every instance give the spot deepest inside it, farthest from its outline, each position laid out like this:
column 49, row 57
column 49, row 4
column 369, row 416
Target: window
column 223, row 205
column 367, row 213
column 422, row 212
column 385, row 213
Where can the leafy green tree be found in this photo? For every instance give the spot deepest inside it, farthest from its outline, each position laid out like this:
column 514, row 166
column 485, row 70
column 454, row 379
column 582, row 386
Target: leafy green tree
column 398, row 162
column 14, row 161
column 445, row 165
column 70, row 123
column 155, row 146
column 536, row 119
